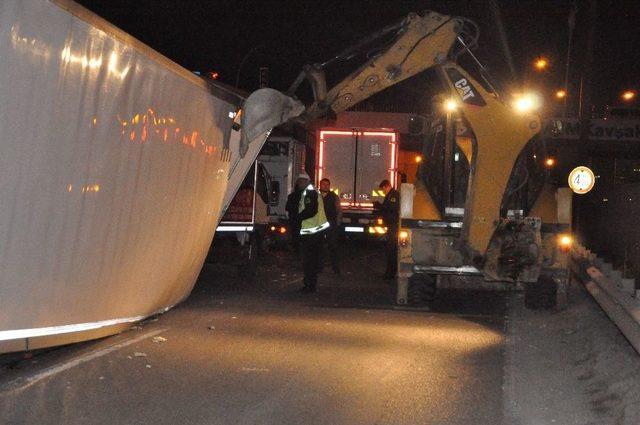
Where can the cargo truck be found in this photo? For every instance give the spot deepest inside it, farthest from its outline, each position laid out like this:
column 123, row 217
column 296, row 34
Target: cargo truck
column 255, row 218
column 356, row 160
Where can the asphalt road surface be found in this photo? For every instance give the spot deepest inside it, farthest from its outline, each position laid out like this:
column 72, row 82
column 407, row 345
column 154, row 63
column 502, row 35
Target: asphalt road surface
column 260, row 353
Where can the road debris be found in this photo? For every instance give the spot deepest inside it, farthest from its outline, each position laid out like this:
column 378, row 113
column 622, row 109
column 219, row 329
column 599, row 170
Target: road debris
column 157, row 339
column 255, row 369
column 139, row 354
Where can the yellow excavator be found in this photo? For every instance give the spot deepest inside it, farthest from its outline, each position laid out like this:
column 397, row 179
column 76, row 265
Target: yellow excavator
column 482, row 212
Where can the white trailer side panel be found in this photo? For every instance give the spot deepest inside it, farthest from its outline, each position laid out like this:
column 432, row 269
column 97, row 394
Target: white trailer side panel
column 112, row 168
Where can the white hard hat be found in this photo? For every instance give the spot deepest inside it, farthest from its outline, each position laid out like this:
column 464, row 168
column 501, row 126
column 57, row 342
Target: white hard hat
column 304, row 175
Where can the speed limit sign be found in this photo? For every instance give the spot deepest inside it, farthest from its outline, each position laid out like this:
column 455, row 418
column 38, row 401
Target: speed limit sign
column 581, row 180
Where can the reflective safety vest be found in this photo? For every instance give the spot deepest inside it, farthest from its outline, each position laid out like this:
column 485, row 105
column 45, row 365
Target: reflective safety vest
column 318, row 222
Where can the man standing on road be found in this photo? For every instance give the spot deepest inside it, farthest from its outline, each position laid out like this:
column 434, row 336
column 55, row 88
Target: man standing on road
column 390, row 211
column 333, row 213
column 293, row 201
column 313, row 226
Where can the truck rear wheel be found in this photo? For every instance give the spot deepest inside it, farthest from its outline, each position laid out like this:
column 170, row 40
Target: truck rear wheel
column 422, row 289
column 540, row 295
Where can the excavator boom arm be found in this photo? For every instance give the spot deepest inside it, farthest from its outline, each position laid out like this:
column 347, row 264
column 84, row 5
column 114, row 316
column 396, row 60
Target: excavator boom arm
column 422, row 42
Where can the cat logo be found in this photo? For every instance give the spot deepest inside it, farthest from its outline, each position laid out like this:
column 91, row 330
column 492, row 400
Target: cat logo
column 463, row 86
column 465, row 89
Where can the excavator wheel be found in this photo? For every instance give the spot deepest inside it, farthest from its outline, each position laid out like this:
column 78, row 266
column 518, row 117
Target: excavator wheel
column 422, row 289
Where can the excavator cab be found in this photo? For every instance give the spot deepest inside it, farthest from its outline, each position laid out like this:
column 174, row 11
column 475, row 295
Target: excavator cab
column 448, row 150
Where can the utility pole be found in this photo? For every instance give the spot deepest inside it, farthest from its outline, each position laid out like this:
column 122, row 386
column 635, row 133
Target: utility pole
column 244, row 59
column 571, row 22
column 586, row 91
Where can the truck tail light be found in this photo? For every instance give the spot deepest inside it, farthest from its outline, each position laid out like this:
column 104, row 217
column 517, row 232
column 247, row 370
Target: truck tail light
column 377, row 230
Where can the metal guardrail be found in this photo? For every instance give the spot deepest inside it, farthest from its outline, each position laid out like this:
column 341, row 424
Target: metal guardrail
column 616, row 295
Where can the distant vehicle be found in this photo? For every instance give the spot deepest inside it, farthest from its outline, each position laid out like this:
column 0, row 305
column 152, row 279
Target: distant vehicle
column 356, row 160
column 256, row 217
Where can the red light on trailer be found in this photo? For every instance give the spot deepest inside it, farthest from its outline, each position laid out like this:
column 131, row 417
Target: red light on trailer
column 323, row 134
column 320, row 159
column 393, row 178
column 335, row 133
column 392, row 165
column 381, row 133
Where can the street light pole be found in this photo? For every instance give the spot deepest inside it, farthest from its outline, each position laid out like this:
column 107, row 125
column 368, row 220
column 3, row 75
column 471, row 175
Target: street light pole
column 586, row 80
column 572, row 25
column 244, row 59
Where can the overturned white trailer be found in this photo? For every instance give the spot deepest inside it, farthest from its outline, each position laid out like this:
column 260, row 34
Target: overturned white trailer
column 114, row 166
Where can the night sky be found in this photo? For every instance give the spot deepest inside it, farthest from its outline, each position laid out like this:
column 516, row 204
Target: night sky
column 284, row 35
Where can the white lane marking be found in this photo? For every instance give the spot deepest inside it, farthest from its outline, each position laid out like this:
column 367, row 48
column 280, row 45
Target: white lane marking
column 23, row 383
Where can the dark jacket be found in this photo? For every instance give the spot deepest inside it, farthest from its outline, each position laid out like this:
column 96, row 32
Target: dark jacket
column 310, row 205
column 293, row 201
column 390, row 209
column 332, row 208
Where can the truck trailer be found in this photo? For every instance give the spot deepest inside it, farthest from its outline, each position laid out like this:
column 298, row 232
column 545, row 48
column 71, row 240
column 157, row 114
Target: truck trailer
column 116, row 166
column 356, row 160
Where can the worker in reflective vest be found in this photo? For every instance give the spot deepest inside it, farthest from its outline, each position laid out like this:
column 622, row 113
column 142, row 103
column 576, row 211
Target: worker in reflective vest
column 313, row 224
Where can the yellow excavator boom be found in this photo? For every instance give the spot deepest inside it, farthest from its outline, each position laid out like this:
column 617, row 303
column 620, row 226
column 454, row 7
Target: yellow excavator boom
column 421, row 42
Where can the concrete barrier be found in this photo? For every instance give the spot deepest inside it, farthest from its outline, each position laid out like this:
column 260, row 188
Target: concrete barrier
column 615, row 276
column 617, row 295
column 628, row 285
column 619, row 315
column 605, row 267
column 612, row 292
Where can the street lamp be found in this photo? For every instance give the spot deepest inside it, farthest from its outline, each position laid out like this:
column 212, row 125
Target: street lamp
column 541, row 64
column 628, row 95
column 561, row 94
